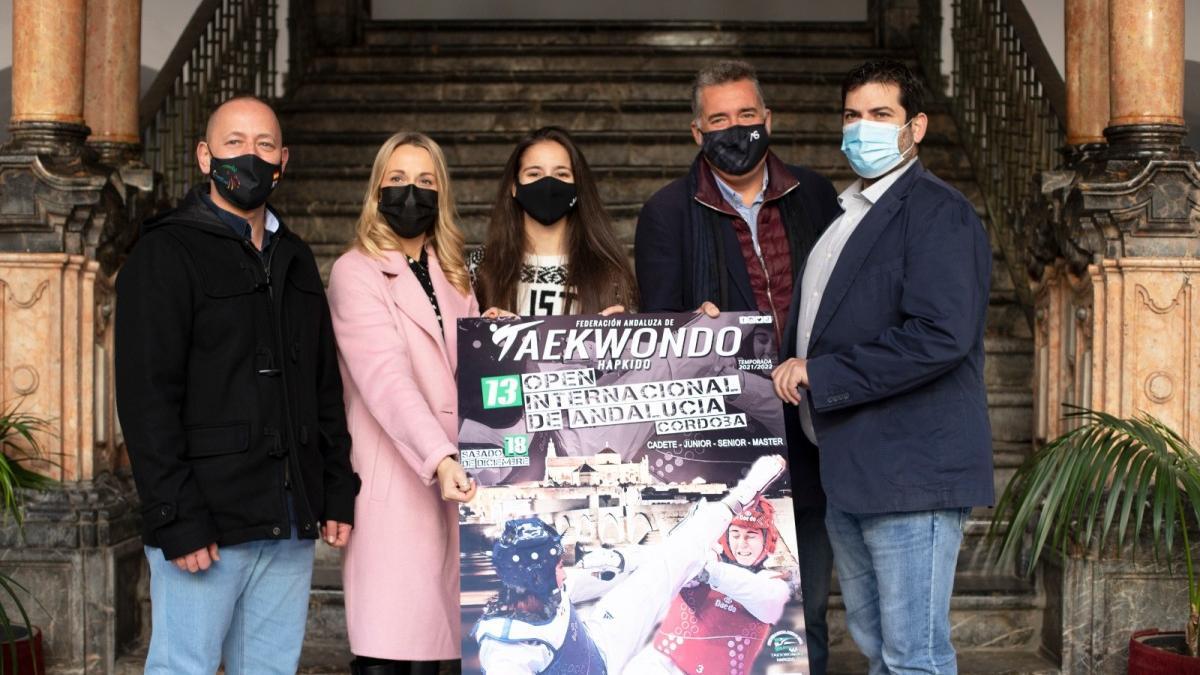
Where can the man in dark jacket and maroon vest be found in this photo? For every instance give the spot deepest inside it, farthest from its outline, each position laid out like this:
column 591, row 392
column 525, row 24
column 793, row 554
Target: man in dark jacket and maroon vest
column 231, row 405
column 732, row 235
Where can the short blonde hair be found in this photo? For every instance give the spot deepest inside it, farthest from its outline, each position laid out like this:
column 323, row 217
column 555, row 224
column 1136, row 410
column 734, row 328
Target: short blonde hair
column 374, row 236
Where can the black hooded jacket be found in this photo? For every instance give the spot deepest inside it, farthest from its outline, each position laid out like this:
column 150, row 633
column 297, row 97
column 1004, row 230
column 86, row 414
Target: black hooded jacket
column 228, row 388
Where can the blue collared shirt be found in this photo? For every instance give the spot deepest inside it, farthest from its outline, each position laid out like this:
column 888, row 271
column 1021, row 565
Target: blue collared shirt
column 749, row 213
column 240, row 225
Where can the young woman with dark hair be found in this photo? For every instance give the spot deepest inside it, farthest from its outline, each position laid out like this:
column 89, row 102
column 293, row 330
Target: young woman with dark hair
column 550, row 246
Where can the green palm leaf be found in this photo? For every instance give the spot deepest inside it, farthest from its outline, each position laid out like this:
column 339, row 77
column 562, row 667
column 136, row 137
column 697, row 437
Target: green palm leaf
column 1109, row 478
column 19, row 448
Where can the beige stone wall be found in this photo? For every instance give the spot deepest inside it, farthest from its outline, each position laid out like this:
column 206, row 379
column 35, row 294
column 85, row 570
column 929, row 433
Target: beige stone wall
column 56, row 357
column 1125, row 339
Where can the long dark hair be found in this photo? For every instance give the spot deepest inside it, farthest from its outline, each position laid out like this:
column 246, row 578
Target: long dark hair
column 598, row 273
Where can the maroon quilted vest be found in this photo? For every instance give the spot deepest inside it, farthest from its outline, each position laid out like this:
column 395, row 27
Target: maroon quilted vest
column 771, row 274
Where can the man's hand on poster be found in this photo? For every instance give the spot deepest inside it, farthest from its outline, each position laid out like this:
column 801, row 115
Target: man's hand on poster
column 198, row 560
column 497, row 313
column 613, row 309
column 336, row 534
column 789, row 377
column 456, row 485
column 708, row 309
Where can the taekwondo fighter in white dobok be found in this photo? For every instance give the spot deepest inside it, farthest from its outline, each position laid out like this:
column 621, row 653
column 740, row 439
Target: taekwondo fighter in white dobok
column 532, row 626
column 719, row 622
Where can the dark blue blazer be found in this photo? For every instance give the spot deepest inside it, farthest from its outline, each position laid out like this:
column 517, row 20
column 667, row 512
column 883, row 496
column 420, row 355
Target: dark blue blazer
column 896, row 356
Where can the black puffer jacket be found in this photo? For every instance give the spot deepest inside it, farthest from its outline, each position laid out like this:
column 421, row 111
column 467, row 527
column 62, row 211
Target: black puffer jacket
column 227, row 385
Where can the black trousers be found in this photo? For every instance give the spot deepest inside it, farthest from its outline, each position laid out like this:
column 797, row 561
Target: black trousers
column 366, row 665
column 816, row 570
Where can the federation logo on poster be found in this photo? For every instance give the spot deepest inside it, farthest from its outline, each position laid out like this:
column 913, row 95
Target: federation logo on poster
column 785, row 646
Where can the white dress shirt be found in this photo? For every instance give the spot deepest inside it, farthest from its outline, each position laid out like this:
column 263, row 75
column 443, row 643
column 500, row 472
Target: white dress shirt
column 855, row 203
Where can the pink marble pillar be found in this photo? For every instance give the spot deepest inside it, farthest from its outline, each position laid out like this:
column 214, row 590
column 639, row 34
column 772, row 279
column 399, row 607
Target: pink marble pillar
column 113, row 64
column 1087, row 70
column 1146, row 62
column 48, row 52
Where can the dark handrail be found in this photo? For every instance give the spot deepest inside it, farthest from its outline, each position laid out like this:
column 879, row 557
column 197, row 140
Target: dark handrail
column 1054, row 89
column 227, row 49
column 153, row 99
column 1008, row 101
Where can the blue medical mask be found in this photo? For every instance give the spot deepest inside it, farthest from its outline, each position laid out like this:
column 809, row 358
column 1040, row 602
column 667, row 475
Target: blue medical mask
column 873, row 148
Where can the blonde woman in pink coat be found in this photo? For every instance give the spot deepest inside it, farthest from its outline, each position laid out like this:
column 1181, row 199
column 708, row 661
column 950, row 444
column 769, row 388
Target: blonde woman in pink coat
column 395, row 296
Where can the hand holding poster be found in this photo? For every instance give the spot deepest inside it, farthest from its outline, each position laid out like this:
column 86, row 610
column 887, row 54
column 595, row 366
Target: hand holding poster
column 635, row 509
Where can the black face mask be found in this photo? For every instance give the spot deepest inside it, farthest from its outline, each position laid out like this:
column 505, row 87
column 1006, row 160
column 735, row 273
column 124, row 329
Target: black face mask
column 736, row 150
column 244, row 181
column 409, row 210
column 547, row 199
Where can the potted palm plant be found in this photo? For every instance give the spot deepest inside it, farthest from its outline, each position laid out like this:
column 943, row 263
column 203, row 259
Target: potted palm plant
column 20, row 642
column 1110, row 482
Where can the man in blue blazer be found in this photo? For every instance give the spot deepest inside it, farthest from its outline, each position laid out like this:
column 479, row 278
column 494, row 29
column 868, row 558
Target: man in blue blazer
column 885, row 337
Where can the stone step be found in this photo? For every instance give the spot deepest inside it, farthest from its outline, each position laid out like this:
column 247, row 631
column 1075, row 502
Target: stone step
column 611, row 52
column 618, row 33
column 993, row 621
column 500, row 85
column 979, row 568
column 1008, row 362
column 574, row 62
column 671, row 150
column 648, row 119
column 978, row 661
column 308, row 186
column 1011, row 412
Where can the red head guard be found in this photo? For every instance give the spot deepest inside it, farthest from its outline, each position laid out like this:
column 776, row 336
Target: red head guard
column 760, row 515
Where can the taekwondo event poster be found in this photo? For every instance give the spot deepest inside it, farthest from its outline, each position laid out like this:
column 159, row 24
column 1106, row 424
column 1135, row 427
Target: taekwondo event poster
column 634, row 509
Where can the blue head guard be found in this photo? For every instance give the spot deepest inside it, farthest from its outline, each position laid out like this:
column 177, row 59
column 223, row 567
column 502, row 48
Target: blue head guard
column 526, row 556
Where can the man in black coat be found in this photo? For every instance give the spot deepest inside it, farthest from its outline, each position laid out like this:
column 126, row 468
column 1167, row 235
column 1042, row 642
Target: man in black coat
column 230, row 400
column 732, row 235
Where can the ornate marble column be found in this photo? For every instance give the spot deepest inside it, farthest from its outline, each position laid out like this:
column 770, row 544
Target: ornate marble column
column 58, row 207
column 1086, row 71
column 111, row 86
column 47, row 80
column 1146, row 83
column 1124, row 229
column 1116, row 300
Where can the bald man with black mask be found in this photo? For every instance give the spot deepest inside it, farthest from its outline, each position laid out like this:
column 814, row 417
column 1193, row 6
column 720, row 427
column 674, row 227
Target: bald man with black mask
column 230, row 400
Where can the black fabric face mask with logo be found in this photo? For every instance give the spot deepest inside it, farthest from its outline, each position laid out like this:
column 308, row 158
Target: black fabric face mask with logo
column 244, row 181
column 547, row 199
column 736, row 150
column 409, row 210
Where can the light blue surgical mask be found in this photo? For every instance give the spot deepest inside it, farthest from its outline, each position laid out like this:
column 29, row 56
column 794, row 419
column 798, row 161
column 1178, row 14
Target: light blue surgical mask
column 873, row 148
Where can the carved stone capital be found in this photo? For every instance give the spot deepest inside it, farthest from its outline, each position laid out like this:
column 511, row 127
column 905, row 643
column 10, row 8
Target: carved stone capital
column 57, row 203
column 1144, row 141
column 56, row 139
column 1110, row 207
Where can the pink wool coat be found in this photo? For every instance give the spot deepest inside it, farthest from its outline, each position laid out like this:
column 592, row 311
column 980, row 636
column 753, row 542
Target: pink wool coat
column 400, row 571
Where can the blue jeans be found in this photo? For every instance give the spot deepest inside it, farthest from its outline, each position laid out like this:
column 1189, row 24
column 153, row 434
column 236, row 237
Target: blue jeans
column 248, row 610
column 896, row 571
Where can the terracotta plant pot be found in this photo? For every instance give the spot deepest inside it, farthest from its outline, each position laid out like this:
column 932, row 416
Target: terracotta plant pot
column 30, row 659
column 1152, row 652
